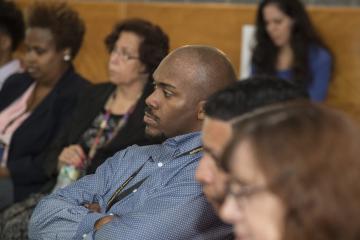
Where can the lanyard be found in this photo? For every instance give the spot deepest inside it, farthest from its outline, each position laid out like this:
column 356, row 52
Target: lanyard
column 103, row 125
column 120, row 194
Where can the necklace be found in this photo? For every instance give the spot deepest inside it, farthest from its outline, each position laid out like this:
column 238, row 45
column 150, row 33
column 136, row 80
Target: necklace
column 104, row 124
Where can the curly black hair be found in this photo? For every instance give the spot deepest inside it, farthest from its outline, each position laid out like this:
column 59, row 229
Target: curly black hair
column 12, row 23
column 154, row 46
column 303, row 36
column 63, row 22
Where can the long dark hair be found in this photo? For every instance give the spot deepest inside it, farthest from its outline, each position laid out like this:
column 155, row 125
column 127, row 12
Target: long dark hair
column 303, row 36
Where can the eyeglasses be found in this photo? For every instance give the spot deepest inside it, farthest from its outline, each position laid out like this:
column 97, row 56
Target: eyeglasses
column 245, row 192
column 241, row 191
column 125, row 56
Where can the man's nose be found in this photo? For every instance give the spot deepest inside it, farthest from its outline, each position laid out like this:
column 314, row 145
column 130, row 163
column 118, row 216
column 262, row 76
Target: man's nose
column 203, row 172
column 152, row 101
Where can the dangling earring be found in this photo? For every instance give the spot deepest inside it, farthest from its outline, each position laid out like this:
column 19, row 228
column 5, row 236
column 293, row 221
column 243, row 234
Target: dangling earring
column 67, row 57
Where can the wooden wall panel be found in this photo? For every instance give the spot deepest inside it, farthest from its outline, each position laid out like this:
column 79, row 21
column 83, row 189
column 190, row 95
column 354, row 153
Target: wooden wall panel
column 211, row 24
column 99, row 18
column 220, row 25
column 338, row 27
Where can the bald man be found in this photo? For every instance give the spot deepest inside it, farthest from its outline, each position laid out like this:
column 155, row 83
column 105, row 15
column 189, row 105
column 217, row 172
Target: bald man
column 149, row 192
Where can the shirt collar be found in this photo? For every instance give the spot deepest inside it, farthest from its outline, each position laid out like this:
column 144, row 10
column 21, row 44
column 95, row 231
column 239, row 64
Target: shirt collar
column 175, row 146
column 184, row 143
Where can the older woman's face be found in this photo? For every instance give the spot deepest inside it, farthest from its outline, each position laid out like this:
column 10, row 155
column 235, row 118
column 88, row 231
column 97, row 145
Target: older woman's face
column 125, row 66
column 278, row 25
column 43, row 62
column 254, row 212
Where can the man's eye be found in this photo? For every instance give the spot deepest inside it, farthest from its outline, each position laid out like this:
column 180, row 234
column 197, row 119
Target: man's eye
column 167, row 93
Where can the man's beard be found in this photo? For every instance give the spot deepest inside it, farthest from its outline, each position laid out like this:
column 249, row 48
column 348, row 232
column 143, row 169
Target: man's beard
column 155, row 139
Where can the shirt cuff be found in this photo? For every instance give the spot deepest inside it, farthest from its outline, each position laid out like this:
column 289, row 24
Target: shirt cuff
column 86, row 226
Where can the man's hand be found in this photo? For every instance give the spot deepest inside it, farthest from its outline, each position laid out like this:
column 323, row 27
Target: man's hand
column 102, row 221
column 94, row 207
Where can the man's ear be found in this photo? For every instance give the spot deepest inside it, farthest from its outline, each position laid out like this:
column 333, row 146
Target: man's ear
column 200, row 110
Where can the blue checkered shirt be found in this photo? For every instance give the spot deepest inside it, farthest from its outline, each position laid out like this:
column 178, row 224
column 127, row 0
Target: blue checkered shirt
column 168, row 205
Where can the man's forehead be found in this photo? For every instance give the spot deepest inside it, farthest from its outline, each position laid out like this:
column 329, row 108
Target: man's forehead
column 172, row 72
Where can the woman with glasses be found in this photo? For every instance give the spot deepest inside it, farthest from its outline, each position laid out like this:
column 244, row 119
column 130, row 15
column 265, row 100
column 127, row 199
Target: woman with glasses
column 294, row 175
column 108, row 117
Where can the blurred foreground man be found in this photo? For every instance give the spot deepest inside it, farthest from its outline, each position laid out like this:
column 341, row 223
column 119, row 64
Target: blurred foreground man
column 221, row 110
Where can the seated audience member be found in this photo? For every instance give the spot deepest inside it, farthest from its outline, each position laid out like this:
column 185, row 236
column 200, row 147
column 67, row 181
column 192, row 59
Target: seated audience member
column 113, row 120
column 12, row 30
column 108, row 117
column 294, row 171
column 35, row 104
column 149, row 192
column 221, row 110
column 288, row 46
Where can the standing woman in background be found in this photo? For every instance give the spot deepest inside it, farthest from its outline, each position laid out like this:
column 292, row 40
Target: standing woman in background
column 287, row 45
column 35, row 104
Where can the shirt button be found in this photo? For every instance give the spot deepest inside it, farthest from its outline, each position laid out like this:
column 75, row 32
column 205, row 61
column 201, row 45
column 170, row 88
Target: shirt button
column 111, row 214
column 160, row 164
column 84, row 236
column 135, row 190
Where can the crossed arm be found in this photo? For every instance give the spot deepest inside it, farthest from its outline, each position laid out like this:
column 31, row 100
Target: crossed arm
column 176, row 210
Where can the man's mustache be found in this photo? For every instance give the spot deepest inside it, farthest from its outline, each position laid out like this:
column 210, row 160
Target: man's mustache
column 150, row 114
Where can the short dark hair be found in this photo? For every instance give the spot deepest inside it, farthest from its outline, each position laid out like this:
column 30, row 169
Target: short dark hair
column 63, row 22
column 153, row 48
column 248, row 94
column 12, row 23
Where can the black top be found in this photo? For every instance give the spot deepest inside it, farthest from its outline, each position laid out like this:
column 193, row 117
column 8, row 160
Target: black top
column 31, row 141
column 91, row 103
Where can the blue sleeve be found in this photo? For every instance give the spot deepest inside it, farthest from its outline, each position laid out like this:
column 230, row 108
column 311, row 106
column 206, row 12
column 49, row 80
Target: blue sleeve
column 176, row 211
column 62, row 215
column 321, row 69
